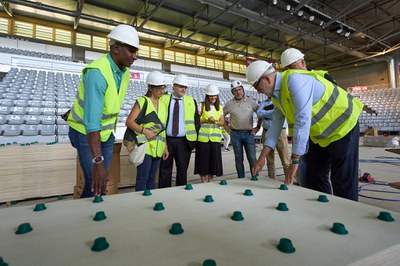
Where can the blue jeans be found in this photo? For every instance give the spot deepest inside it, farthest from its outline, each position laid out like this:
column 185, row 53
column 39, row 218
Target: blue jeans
column 80, row 142
column 240, row 139
column 146, row 173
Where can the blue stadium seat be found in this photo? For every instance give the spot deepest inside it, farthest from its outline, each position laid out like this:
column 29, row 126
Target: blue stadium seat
column 47, row 130
column 30, row 130
column 32, row 119
column 15, row 119
column 11, row 130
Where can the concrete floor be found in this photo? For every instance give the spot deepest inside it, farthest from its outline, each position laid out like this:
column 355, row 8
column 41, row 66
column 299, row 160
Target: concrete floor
column 382, row 165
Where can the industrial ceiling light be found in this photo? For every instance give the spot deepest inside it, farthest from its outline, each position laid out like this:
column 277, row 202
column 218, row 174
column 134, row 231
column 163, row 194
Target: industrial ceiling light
column 274, row 2
column 300, row 13
column 347, row 34
column 288, row 8
column 311, row 18
column 321, row 23
column 340, row 30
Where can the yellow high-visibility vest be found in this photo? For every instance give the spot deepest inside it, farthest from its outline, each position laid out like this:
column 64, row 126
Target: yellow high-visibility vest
column 189, row 111
column 332, row 117
column 210, row 131
column 112, row 100
column 155, row 147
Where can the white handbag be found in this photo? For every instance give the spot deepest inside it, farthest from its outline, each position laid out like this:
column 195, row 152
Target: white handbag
column 136, row 155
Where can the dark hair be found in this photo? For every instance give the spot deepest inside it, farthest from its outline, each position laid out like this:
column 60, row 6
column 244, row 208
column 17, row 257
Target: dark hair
column 207, row 103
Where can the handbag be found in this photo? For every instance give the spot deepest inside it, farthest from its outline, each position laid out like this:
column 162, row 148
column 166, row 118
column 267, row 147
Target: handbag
column 130, row 139
column 136, row 155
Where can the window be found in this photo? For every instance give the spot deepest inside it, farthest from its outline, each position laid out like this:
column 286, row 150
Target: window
column 179, row 57
column 219, row 64
column 209, row 62
column 235, row 67
column 83, row 39
column 242, row 69
column 144, row 51
column 155, row 53
column 228, row 66
column 3, row 25
column 100, row 43
column 23, row 29
column 169, row 55
column 190, row 59
column 44, row 33
column 63, row 36
column 201, row 61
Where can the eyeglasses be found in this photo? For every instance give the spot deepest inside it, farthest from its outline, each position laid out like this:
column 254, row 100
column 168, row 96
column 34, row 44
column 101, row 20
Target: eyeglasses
column 255, row 85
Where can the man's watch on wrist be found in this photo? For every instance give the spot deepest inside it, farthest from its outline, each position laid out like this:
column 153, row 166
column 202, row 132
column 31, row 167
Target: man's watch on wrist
column 294, row 161
column 98, row 159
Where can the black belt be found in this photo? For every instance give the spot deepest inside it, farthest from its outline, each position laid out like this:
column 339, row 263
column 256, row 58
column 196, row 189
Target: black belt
column 242, row 130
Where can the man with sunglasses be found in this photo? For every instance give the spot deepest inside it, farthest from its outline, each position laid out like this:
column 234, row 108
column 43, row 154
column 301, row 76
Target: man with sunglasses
column 183, row 124
column 94, row 113
column 241, row 110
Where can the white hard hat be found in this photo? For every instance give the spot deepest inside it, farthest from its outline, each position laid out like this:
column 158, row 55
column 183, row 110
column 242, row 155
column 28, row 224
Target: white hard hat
column 125, row 34
column 181, row 79
column 235, row 84
column 289, row 56
column 256, row 69
column 155, row 78
column 211, row 89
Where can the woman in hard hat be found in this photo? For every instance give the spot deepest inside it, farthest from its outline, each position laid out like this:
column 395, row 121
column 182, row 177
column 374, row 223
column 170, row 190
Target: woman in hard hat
column 150, row 130
column 208, row 160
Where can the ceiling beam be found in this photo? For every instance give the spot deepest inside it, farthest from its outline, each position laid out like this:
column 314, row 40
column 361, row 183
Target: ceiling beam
column 7, row 8
column 79, row 7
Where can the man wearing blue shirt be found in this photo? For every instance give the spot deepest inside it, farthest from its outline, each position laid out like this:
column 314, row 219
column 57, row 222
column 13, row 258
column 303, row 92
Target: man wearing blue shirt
column 266, row 112
column 95, row 111
column 317, row 109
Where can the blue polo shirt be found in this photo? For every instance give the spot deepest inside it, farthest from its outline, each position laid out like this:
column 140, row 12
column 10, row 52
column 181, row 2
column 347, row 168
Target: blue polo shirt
column 95, row 89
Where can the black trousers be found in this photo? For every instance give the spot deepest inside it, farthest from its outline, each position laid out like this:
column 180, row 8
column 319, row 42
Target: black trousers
column 180, row 151
column 335, row 167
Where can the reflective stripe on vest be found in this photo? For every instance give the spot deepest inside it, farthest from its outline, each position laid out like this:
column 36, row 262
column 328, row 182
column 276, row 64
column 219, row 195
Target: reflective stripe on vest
column 112, row 99
column 208, row 131
column 155, row 147
column 333, row 116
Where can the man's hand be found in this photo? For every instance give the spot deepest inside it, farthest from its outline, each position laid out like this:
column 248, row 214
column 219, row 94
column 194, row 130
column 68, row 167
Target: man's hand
column 291, row 174
column 258, row 165
column 255, row 130
column 165, row 154
column 99, row 179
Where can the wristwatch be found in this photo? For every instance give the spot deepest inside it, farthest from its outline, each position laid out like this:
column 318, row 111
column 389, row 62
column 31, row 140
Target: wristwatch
column 294, row 161
column 98, row 159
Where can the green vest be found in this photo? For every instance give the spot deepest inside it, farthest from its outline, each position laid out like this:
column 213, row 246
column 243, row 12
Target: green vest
column 112, row 99
column 155, row 148
column 210, row 131
column 189, row 108
column 332, row 117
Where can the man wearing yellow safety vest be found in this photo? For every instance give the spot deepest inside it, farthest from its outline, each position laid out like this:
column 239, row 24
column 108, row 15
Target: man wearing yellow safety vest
column 94, row 114
column 317, row 109
column 182, row 128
